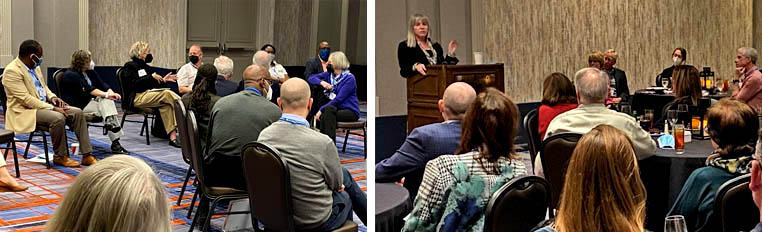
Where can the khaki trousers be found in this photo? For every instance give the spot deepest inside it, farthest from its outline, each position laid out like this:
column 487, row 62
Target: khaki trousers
column 56, row 123
column 164, row 100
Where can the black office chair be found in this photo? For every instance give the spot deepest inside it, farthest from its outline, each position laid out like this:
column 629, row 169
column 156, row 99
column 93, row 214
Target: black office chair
column 531, row 121
column 41, row 129
column 269, row 185
column 89, row 117
column 129, row 109
column 556, row 151
column 205, row 191
column 734, row 207
column 182, row 133
column 519, row 205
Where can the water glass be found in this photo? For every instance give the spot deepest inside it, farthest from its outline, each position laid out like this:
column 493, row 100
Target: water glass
column 675, row 223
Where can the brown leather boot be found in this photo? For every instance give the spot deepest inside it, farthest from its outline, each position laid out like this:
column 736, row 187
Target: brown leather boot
column 65, row 161
column 88, row 160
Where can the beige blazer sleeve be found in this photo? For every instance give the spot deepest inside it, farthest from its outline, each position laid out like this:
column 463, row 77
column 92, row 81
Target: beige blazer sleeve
column 15, row 87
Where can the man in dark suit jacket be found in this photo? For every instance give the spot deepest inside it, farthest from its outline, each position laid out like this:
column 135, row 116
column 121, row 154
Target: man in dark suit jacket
column 620, row 92
column 316, row 65
column 223, row 85
column 428, row 142
column 236, row 120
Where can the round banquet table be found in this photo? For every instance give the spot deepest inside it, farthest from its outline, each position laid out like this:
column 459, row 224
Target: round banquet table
column 664, row 174
column 649, row 99
column 392, row 205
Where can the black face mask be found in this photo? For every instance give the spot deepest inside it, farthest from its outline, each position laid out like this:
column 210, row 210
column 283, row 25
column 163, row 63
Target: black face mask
column 149, row 58
column 329, row 68
column 193, row 59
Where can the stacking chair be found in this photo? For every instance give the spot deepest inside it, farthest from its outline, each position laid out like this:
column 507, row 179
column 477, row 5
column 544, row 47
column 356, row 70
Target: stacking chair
column 269, row 185
column 531, row 121
column 348, row 127
column 182, row 133
column 519, row 205
column 39, row 128
column 734, row 207
column 204, row 190
column 556, row 151
column 90, row 118
column 129, row 109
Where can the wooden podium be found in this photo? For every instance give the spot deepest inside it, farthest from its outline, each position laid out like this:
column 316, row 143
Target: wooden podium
column 424, row 92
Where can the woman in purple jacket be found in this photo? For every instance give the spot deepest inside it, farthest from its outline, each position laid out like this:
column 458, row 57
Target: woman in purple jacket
column 341, row 88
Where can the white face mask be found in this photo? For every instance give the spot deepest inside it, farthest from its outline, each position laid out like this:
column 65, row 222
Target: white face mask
column 269, row 92
column 676, row 60
column 92, row 65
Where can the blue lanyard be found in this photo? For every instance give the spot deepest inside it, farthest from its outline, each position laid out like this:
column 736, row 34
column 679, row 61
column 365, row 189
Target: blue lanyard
column 295, row 122
column 255, row 90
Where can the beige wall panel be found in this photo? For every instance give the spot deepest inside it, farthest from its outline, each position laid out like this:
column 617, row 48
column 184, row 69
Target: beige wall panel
column 536, row 38
column 112, row 31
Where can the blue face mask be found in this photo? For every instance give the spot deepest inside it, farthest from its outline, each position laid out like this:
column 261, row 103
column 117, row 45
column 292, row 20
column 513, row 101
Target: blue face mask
column 324, row 53
column 39, row 61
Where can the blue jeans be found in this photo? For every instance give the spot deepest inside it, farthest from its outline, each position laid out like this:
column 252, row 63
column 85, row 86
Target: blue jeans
column 351, row 199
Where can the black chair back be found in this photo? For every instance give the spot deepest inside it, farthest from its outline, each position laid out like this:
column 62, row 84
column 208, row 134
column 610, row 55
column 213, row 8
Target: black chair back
column 268, row 182
column 57, row 77
column 519, row 205
column 196, row 155
column 556, row 151
column 531, row 121
column 182, row 130
column 734, row 207
column 3, row 97
column 126, row 100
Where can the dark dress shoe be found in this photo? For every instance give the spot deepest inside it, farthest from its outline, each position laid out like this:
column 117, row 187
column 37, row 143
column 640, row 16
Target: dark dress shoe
column 116, row 148
column 174, row 143
column 113, row 129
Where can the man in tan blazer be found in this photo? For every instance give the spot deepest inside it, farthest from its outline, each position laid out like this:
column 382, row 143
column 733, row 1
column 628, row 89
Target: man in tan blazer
column 31, row 103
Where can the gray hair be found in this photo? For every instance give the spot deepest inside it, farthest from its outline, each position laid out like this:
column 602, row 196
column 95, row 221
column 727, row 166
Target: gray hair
column 224, row 65
column 137, row 49
column 119, row 193
column 411, row 42
column 613, row 53
column 261, row 58
column 592, row 85
column 339, row 60
column 749, row 52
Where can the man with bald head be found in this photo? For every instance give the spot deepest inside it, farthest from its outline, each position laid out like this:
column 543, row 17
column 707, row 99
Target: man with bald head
column 324, row 193
column 262, row 58
column 428, row 142
column 187, row 73
column 235, row 120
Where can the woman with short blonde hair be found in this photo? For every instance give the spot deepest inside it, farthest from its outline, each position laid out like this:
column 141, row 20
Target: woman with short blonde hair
column 604, row 159
column 120, row 193
column 341, row 93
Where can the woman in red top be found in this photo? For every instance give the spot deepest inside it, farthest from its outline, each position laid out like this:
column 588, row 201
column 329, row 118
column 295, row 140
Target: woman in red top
column 558, row 96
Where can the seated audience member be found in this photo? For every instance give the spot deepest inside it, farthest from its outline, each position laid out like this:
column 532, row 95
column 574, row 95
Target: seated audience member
column 687, row 89
column 85, row 90
column 595, row 59
column 224, row 67
column 142, row 88
column 276, row 70
column 316, row 65
column 120, row 193
column 30, row 103
column 678, row 58
column 202, row 98
column 750, row 91
column 733, row 127
column 558, row 96
column 341, row 88
column 263, row 59
column 592, row 88
column 186, row 76
column 755, row 184
column 7, row 182
column 618, row 91
column 237, row 120
column 456, row 188
column 428, row 142
column 603, row 159
column 324, row 194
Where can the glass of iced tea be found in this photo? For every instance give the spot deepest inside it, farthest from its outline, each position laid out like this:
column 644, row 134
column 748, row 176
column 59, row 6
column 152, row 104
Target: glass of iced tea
column 679, row 138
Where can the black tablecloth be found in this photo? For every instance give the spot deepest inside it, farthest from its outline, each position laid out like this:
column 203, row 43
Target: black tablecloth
column 664, row 175
column 392, row 205
column 646, row 100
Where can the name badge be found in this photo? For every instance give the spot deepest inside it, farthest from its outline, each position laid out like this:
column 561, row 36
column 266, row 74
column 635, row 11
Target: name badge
column 332, row 96
column 142, row 72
